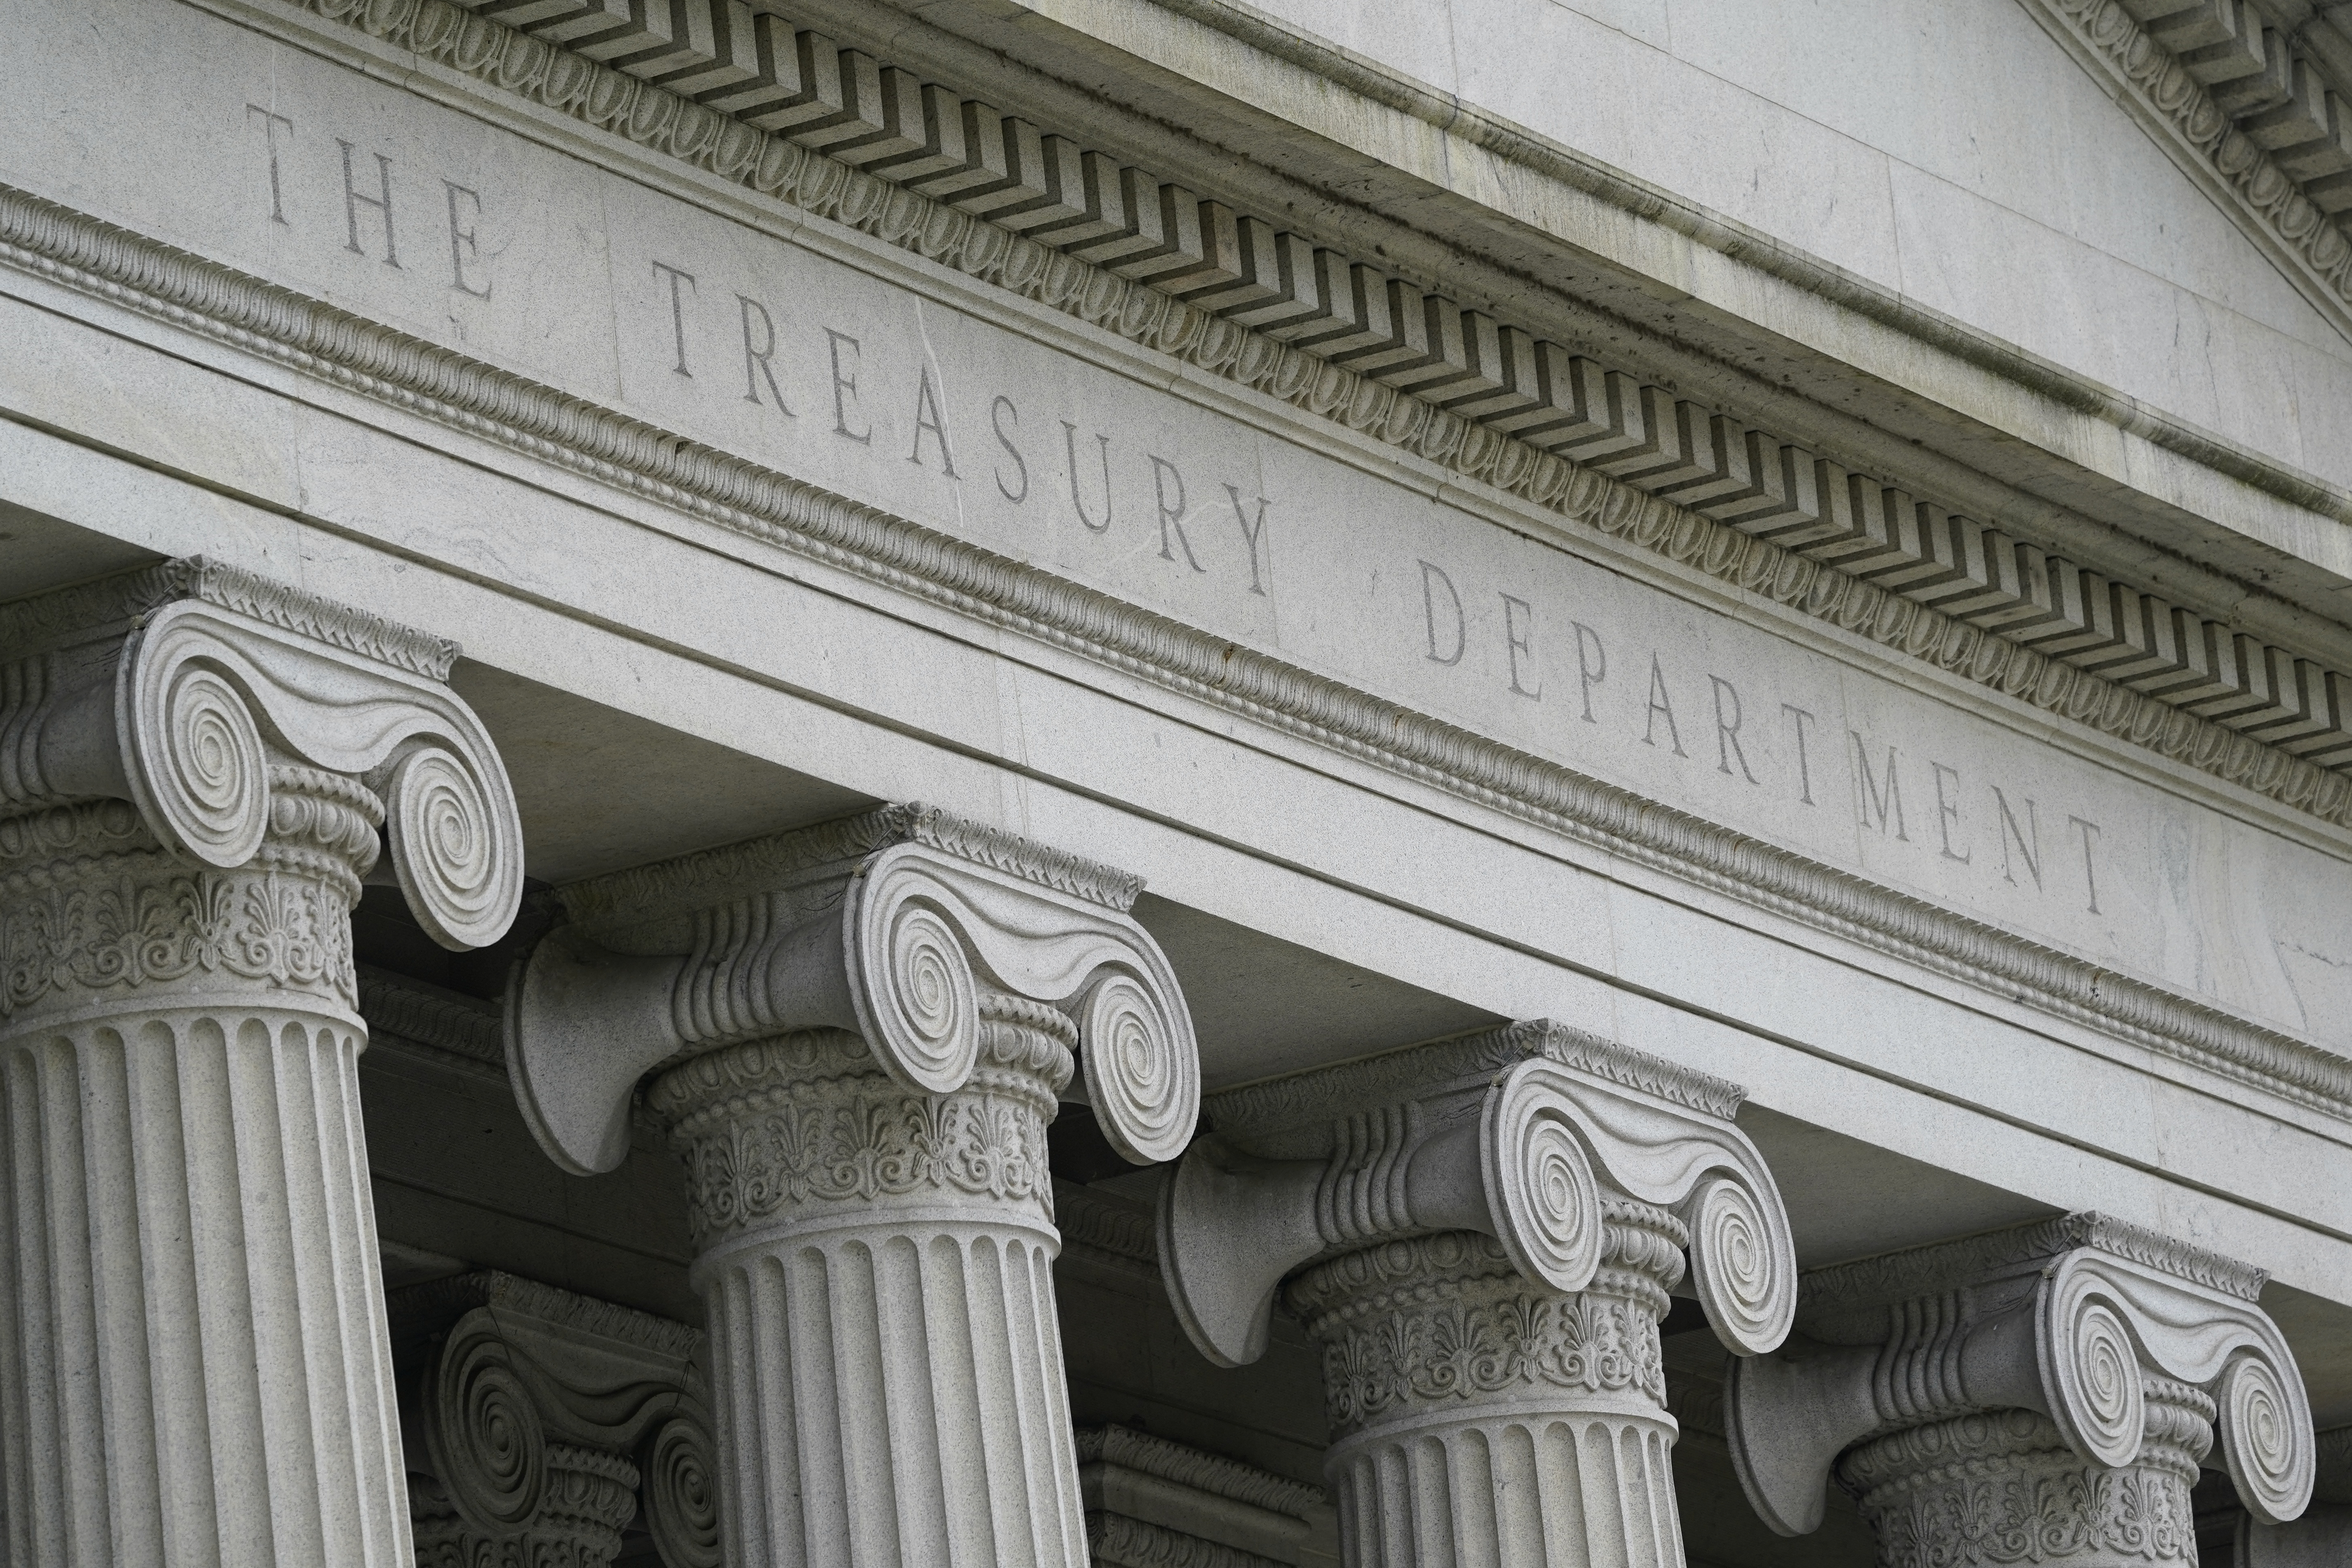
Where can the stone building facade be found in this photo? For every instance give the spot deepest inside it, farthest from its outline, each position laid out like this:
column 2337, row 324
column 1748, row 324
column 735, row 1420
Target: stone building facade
column 1175, row 784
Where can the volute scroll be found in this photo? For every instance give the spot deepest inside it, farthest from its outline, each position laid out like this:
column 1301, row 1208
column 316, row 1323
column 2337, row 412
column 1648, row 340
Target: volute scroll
column 1523, row 1134
column 2083, row 1322
column 890, row 927
column 187, row 712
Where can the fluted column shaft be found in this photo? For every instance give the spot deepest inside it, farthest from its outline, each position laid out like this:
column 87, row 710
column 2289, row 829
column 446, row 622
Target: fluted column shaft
column 1482, row 1233
column 877, row 1266
column 1481, row 1420
column 198, row 767
column 856, row 1035
column 195, row 1366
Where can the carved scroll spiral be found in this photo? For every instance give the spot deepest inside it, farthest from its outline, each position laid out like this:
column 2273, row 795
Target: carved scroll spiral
column 1541, row 1191
column 1143, row 1075
column 484, row 1434
column 454, row 847
column 2091, row 1375
column 681, row 1493
column 196, row 755
column 920, row 1004
column 2263, row 1440
column 1739, row 1268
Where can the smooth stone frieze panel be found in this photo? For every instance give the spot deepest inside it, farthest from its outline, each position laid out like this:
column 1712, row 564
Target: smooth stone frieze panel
column 2025, row 885
column 1482, row 1234
column 2062, row 1378
column 195, row 766
column 857, row 1035
column 540, row 1424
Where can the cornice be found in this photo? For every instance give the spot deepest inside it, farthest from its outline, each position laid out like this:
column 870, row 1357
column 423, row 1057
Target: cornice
column 199, row 295
column 2304, row 240
column 109, row 605
column 2005, row 598
column 1941, row 1266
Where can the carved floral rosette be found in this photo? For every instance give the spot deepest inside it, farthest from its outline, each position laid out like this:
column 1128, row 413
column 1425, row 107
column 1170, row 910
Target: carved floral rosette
column 792, row 1128
column 2002, row 1487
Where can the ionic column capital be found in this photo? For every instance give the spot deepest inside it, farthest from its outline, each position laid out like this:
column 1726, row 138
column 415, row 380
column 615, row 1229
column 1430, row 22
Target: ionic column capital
column 540, row 1424
column 2106, row 1345
column 239, row 720
column 197, row 769
column 860, row 1031
column 1556, row 1144
column 887, row 926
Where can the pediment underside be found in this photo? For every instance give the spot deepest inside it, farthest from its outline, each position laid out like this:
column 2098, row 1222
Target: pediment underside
column 2255, row 109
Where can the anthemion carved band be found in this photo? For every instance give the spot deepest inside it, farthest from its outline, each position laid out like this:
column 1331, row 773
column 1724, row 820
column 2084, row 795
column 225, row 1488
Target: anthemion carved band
column 199, row 767
column 1175, row 784
column 1482, row 1234
column 860, row 1032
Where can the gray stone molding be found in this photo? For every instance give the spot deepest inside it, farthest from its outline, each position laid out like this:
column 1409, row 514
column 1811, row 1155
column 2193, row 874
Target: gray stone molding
column 260, row 318
column 1516, row 1133
column 1153, row 1503
column 888, row 925
column 540, row 1424
column 1105, row 1229
column 1860, row 547
column 1482, row 1234
column 856, row 1035
column 2246, row 113
column 416, row 1014
column 2322, row 1538
column 196, row 766
column 2080, row 1365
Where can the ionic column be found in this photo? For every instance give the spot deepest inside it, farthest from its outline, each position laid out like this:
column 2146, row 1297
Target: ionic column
column 2044, row 1394
column 196, row 767
column 540, row 1424
column 856, row 1037
column 1482, row 1234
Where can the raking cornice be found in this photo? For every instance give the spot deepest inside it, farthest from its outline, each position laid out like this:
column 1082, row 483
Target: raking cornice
column 2307, row 243
column 1801, row 578
column 200, row 295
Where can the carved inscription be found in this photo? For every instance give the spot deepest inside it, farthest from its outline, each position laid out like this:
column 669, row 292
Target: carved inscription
column 1897, row 790
column 1045, row 440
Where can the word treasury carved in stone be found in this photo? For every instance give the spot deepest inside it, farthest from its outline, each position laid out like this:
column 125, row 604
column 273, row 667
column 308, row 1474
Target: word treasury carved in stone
column 889, row 381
